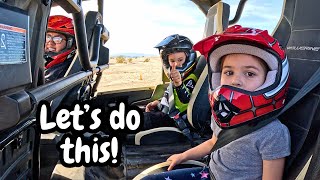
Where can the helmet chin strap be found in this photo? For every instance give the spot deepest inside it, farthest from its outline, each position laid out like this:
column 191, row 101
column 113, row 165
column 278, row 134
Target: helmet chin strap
column 53, row 60
column 50, row 54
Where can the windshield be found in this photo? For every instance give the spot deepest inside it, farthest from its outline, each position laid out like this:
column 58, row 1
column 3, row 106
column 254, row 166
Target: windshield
column 257, row 13
column 137, row 26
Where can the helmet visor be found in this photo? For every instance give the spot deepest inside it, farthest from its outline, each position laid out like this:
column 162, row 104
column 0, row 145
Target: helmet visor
column 166, row 41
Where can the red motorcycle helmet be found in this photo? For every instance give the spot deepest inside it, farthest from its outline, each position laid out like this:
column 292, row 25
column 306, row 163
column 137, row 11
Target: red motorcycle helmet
column 232, row 106
column 61, row 24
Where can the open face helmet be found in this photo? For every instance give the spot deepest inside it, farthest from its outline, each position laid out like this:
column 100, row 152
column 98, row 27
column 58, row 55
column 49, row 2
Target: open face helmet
column 63, row 25
column 232, row 106
column 177, row 43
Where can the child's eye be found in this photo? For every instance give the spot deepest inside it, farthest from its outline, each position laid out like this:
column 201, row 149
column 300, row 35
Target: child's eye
column 250, row 74
column 228, row 73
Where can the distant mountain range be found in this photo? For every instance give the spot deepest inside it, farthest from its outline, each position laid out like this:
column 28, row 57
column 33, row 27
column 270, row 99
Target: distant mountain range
column 133, row 55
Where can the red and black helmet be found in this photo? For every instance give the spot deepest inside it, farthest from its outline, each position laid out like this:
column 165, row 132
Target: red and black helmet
column 61, row 24
column 232, row 106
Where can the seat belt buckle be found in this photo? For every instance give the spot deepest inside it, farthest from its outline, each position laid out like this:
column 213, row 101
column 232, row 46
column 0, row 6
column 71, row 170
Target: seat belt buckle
column 176, row 117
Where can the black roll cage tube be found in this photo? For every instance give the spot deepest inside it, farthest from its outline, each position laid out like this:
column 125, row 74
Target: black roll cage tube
column 80, row 33
column 205, row 7
column 89, row 64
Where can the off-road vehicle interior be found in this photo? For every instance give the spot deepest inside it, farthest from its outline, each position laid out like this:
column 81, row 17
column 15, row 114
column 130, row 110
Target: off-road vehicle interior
column 25, row 153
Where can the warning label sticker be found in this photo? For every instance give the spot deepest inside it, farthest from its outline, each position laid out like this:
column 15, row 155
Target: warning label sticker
column 12, row 44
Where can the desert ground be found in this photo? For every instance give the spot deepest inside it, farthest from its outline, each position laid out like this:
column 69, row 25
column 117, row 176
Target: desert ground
column 126, row 73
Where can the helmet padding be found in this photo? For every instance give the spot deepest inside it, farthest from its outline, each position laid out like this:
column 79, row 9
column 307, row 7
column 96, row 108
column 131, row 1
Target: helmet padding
column 267, row 57
column 233, row 106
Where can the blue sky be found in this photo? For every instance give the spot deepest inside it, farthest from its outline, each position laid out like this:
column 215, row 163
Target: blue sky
column 137, row 26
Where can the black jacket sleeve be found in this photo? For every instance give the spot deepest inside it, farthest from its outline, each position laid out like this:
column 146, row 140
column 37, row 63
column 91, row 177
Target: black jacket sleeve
column 185, row 89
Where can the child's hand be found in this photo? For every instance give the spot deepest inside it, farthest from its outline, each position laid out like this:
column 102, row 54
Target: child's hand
column 150, row 106
column 175, row 76
column 175, row 159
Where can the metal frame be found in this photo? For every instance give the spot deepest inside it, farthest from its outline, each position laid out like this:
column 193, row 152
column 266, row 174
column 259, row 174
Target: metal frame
column 80, row 33
column 89, row 63
column 205, row 8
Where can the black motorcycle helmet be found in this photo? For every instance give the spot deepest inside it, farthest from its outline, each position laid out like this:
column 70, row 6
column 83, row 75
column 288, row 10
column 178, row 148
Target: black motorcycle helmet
column 177, row 43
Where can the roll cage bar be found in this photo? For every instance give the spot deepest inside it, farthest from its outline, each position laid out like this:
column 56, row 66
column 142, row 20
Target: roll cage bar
column 80, row 32
column 205, row 7
column 88, row 57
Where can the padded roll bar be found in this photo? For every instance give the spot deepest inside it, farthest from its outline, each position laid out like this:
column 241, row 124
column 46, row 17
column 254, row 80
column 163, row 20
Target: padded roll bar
column 54, row 89
column 69, row 5
column 100, row 7
column 95, row 44
column 238, row 12
column 204, row 7
column 81, row 39
column 80, row 33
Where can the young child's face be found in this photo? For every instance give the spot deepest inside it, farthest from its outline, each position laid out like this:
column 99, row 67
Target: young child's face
column 178, row 57
column 243, row 71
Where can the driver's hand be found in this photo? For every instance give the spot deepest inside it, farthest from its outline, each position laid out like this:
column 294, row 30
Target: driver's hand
column 150, row 106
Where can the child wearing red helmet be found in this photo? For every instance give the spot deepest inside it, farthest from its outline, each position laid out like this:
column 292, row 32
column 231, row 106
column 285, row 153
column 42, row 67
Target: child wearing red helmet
column 59, row 47
column 248, row 77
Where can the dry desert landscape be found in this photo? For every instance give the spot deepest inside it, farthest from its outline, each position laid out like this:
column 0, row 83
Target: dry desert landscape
column 126, row 73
